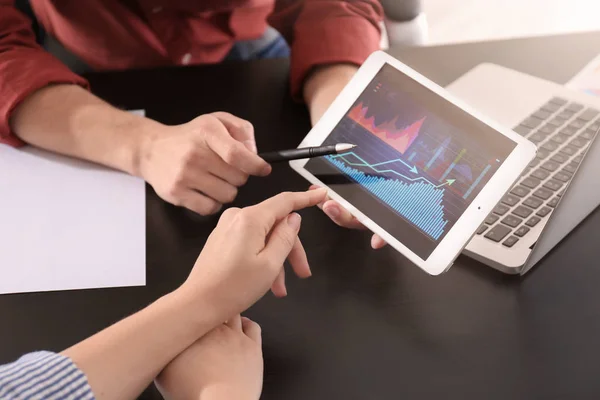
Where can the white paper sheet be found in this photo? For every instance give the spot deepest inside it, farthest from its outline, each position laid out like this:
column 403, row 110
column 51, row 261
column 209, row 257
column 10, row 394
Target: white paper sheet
column 67, row 224
column 588, row 79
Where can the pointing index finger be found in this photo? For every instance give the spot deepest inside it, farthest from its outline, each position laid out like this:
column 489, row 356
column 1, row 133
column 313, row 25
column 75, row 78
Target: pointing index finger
column 278, row 207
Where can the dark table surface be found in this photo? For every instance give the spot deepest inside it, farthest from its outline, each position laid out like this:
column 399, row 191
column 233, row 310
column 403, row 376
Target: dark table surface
column 368, row 325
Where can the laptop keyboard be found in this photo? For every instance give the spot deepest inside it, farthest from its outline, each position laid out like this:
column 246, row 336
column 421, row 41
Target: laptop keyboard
column 562, row 131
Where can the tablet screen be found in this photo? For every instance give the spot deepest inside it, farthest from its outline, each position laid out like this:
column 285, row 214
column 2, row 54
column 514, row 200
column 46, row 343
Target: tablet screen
column 419, row 163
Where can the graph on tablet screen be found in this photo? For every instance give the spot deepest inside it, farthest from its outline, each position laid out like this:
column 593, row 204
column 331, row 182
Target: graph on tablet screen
column 400, row 138
column 411, row 159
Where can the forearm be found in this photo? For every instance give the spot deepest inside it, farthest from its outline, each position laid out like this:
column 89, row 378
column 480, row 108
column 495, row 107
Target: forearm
column 323, row 85
column 69, row 120
column 121, row 361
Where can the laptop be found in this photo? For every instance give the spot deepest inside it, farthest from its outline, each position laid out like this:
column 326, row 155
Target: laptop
column 559, row 188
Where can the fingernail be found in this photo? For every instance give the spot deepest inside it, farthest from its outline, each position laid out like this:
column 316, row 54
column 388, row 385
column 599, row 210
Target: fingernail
column 332, row 211
column 251, row 145
column 294, row 221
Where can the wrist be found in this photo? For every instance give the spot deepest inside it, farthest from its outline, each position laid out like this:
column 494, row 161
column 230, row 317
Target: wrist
column 323, row 85
column 141, row 133
column 198, row 312
column 324, row 76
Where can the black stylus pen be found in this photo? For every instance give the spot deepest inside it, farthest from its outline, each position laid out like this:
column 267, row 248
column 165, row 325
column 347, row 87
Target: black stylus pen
column 306, row 152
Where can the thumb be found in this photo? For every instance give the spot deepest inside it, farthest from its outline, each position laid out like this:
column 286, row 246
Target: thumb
column 282, row 239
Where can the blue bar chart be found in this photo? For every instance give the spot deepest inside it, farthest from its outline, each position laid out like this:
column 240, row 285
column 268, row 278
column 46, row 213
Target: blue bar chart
column 420, row 202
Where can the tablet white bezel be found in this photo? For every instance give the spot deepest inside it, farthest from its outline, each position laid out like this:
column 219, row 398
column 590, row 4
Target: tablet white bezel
column 463, row 230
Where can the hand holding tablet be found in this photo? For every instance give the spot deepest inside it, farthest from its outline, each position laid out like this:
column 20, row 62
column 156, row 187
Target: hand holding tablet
column 427, row 170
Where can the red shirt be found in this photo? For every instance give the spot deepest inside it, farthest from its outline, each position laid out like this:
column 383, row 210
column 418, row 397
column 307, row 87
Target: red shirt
column 121, row 34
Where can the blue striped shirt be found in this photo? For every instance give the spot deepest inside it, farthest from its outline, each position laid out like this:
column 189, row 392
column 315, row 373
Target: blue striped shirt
column 43, row 375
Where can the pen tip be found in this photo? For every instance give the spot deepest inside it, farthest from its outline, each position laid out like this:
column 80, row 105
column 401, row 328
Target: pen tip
column 343, row 147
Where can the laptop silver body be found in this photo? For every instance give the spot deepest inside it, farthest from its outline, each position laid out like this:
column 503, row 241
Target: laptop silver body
column 569, row 150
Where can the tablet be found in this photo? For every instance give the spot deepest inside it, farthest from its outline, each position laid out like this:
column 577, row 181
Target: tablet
column 427, row 171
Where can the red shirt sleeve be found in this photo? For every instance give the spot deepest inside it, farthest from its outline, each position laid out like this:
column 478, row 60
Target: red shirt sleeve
column 24, row 67
column 327, row 32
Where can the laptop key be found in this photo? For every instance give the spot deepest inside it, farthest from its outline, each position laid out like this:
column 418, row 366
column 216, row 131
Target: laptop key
column 569, row 150
column 533, row 202
column 566, row 114
column 543, row 194
column 531, row 182
column 583, row 139
column 540, row 174
column 522, row 130
column 482, row 229
column 553, row 185
column 510, row 200
column 522, row 211
column 533, row 221
column 560, row 194
column 577, row 124
column 547, row 129
column 497, row 233
column 531, row 122
column 512, row 221
column 551, row 107
column 577, row 142
column 557, row 122
column 588, row 135
column 577, row 159
column 571, row 168
column 510, row 242
column 522, row 231
column 569, row 131
column 550, row 166
column 594, row 126
column 559, row 158
column 589, row 114
column 574, row 107
column 520, row 191
column 541, row 114
column 537, row 138
column 560, row 138
column 501, row 209
column 541, row 154
column 558, row 100
column 554, row 202
column 534, row 163
column 563, row 176
column 542, row 212
column 550, row 146
column 491, row 219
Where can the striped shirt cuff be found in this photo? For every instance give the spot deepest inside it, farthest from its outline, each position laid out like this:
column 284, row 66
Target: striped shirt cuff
column 43, row 375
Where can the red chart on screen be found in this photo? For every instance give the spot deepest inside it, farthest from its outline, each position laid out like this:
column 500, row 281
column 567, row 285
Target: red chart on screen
column 399, row 138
